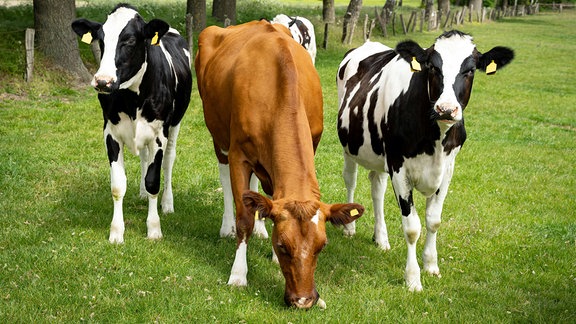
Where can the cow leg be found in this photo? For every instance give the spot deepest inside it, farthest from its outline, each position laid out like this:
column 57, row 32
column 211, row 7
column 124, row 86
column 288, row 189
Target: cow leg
column 117, row 184
column 412, row 228
column 143, row 168
column 244, row 226
column 228, row 228
column 259, row 225
column 152, row 183
column 434, row 205
column 167, row 165
column 378, row 181
column 349, row 174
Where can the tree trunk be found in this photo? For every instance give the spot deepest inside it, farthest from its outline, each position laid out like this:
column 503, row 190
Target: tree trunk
column 475, row 5
column 350, row 19
column 198, row 10
column 444, row 6
column 224, row 9
column 428, row 10
column 328, row 13
column 55, row 38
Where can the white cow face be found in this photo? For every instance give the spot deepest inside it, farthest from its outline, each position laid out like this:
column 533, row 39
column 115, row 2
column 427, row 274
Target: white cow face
column 124, row 41
column 450, row 65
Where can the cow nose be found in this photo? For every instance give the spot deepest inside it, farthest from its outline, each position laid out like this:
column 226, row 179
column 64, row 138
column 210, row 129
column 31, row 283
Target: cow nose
column 447, row 111
column 302, row 302
column 102, row 84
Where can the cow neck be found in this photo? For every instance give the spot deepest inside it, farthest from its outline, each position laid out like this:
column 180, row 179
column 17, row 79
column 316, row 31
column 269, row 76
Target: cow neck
column 292, row 165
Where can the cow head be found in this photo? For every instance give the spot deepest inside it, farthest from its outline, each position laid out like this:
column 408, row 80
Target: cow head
column 298, row 236
column 450, row 65
column 124, row 40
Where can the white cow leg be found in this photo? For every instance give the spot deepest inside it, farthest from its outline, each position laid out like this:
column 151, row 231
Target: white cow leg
column 259, row 225
column 240, row 266
column 143, row 169
column 153, row 220
column 228, row 228
column 434, row 206
column 378, row 189
column 167, row 165
column 118, row 188
column 412, row 228
column 350, row 174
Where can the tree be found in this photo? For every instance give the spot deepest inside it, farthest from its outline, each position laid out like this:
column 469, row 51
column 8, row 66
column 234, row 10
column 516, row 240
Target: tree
column 350, row 19
column 55, row 38
column 328, row 11
column 222, row 9
column 444, row 6
column 198, row 10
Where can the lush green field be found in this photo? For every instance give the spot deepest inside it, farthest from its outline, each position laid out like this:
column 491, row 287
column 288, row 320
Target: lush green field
column 507, row 245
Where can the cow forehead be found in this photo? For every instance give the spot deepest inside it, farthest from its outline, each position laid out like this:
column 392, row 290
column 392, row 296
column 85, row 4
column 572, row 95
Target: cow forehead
column 116, row 22
column 454, row 49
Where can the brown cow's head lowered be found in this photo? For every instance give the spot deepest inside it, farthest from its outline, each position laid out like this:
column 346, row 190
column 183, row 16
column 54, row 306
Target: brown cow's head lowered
column 298, row 236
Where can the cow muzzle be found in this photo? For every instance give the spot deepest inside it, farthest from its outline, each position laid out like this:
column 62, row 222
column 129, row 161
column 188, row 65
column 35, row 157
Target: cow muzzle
column 103, row 84
column 302, row 302
column 448, row 113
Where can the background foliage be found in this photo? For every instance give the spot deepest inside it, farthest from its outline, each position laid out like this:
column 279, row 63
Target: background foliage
column 507, row 245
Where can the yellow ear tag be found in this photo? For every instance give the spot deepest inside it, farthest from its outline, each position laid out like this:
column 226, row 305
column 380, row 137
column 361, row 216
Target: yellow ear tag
column 414, row 65
column 155, row 39
column 256, row 215
column 87, row 38
column 491, row 68
column 354, row 212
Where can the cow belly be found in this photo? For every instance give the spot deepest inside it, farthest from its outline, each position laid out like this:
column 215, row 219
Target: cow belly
column 426, row 172
column 368, row 159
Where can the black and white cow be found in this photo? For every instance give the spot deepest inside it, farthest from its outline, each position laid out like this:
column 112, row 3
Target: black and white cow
column 401, row 114
column 144, row 91
column 302, row 31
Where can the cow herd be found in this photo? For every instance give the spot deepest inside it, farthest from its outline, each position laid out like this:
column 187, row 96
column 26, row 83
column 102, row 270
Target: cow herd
column 400, row 116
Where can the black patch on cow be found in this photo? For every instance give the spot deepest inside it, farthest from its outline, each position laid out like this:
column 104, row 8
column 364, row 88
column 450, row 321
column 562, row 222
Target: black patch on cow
column 112, row 148
column 406, row 205
column 410, row 130
column 152, row 180
column 120, row 101
column 455, row 137
column 353, row 137
column 303, row 30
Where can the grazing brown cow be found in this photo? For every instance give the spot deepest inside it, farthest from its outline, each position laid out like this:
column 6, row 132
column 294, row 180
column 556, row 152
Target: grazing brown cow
column 263, row 106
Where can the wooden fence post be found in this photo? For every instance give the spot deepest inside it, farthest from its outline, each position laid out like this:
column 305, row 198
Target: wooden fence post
column 29, row 40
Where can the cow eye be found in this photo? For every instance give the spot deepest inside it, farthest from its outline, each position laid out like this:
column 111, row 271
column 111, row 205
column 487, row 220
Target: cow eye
column 281, row 248
column 130, row 41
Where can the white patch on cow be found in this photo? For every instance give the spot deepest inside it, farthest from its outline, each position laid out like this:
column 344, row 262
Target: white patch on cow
column 134, row 82
column 316, row 217
column 228, row 228
column 112, row 29
column 454, row 51
column 145, row 132
column 169, row 59
column 240, row 267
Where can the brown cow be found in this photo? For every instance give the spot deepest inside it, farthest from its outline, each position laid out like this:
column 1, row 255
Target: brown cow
column 263, row 106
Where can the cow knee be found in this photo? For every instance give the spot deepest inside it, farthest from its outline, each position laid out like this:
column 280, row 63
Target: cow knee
column 433, row 223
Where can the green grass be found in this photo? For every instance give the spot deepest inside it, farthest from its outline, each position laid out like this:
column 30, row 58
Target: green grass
column 507, row 245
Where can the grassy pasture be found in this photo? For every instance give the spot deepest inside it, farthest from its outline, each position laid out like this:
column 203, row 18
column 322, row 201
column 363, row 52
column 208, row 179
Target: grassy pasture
column 507, row 246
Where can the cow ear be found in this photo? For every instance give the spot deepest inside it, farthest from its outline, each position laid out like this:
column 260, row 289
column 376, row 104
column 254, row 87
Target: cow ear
column 257, row 205
column 155, row 29
column 340, row 214
column 412, row 53
column 495, row 59
column 86, row 29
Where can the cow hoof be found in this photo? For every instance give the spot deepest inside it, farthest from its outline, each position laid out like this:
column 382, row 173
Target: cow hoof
column 167, row 208
column 414, row 286
column 434, row 272
column 228, row 234
column 155, row 235
column 116, row 238
column 237, row 281
column 321, row 303
column 384, row 246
